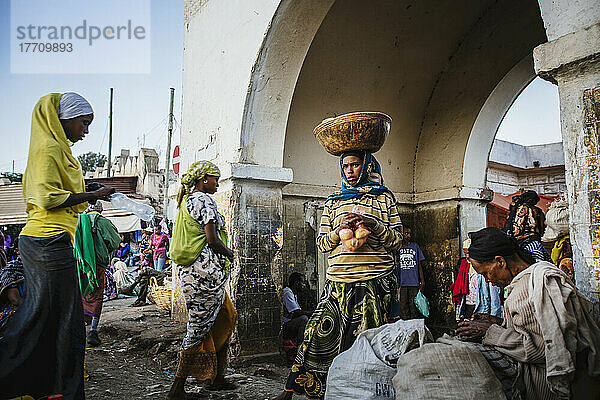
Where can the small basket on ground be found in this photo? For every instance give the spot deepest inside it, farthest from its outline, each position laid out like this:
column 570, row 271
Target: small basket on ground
column 353, row 131
column 161, row 295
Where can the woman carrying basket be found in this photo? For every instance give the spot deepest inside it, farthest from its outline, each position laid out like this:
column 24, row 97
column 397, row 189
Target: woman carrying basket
column 199, row 248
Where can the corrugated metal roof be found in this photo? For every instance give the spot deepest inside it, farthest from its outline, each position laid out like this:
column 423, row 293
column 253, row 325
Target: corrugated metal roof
column 12, row 205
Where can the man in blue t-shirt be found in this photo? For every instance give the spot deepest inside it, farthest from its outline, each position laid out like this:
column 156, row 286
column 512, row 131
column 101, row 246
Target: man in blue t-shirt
column 409, row 272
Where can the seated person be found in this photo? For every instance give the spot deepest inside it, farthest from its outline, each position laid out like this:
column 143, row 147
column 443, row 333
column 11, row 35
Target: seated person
column 12, row 277
column 294, row 319
column 549, row 331
column 143, row 281
column 148, row 262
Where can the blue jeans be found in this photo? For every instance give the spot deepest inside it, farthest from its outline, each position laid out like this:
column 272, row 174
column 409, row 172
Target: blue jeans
column 159, row 264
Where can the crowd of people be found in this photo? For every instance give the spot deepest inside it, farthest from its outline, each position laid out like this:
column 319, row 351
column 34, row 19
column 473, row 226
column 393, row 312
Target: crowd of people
column 70, row 259
column 524, row 312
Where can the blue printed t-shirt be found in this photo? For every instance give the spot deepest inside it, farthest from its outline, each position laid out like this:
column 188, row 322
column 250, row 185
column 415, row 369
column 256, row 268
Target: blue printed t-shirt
column 290, row 304
column 409, row 257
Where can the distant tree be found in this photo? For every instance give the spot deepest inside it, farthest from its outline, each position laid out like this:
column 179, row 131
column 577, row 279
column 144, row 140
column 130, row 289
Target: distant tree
column 89, row 161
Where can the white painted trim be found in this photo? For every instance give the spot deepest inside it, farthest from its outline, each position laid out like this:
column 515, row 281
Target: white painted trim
column 274, row 77
column 489, row 119
column 257, row 173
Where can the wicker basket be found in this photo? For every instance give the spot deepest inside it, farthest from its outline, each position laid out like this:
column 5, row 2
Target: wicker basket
column 354, row 131
column 179, row 311
column 161, row 295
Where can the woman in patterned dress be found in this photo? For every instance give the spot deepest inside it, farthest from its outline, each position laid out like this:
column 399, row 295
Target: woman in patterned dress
column 359, row 284
column 199, row 248
column 526, row 223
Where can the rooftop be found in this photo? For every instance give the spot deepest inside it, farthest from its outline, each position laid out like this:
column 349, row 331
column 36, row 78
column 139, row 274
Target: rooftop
column 537, row 156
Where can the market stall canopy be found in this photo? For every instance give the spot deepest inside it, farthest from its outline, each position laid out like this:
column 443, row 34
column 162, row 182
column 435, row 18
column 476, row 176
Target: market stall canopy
column 124, row 221
column 12, row 210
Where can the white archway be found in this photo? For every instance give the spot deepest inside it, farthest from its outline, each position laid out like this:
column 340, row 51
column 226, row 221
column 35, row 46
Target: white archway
column 488, row 121
column 274, row 77
column 473, row 203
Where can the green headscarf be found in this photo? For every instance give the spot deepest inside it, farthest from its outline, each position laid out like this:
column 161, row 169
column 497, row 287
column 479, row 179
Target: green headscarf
column 197, row 171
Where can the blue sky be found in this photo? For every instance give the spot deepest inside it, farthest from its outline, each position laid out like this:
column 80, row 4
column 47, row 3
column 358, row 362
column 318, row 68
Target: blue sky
column 141, row 100
column 534, row 117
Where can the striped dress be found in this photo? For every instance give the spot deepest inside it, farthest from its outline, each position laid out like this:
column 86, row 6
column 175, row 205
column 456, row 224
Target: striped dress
column 374, row 259
column 357, row 292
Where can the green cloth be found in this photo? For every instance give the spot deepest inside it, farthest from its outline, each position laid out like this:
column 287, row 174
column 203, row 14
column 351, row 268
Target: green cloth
column 106, row 238
column 189, row 237
column 85, row 256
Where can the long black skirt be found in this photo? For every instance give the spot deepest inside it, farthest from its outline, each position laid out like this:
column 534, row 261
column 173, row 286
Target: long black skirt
column 43, row 345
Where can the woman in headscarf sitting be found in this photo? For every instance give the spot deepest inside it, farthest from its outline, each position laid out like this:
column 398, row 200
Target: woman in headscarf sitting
column 359, row 284
column 199, row 248
column 42, row 350
column 548, row 328
column 525, row 222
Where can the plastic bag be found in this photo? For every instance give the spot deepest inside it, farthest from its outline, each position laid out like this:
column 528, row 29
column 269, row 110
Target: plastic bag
column 422, row 304
column 365, row 370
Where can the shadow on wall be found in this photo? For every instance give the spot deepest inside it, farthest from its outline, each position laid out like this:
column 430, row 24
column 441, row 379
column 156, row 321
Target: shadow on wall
column 435, row 228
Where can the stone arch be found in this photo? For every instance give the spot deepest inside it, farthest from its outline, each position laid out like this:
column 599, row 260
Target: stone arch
column 491, row 50
column 488, row 121
column 473, row 211
column 273, row 79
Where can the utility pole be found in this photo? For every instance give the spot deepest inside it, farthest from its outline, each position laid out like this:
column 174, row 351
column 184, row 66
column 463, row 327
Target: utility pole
column 110, row 133
column 13, row 168
column 168, row 157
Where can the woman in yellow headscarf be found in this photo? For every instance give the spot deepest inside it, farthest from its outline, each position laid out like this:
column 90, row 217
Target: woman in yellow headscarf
column 42, row 350
column 199, row 248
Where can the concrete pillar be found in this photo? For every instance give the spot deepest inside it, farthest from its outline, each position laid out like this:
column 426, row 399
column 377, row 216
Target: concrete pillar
column 572, row 61
column 252, row 202
column 439, row 227
column 473, row 210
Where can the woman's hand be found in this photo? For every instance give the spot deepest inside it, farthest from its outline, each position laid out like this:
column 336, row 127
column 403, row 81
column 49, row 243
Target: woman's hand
column 345, row 223
column 103, row 193
column 359, row 219
column 473, row 331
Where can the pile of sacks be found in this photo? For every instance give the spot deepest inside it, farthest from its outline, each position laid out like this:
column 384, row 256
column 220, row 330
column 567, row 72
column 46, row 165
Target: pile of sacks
column 400, row 361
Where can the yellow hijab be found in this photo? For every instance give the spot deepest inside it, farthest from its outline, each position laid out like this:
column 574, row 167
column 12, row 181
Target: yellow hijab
column 52, row 174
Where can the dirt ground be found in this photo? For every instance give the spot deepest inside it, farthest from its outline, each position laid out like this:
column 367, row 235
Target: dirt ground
column 138, row 356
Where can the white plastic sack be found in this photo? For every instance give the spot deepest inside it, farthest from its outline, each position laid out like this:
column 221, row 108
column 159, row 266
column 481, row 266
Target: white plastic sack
column 557, row 220
column 446, row 370
column 365, row 370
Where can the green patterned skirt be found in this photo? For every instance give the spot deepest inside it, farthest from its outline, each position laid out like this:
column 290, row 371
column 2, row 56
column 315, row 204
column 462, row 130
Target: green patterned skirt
column 344, row 311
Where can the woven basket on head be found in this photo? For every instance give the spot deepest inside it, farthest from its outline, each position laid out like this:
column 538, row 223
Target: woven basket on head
column 353, row 131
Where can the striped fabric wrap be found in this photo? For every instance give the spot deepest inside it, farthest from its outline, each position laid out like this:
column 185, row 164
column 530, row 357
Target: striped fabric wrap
column 374, row 259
